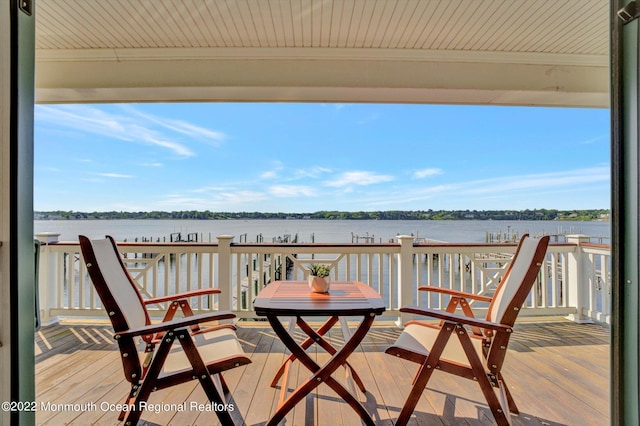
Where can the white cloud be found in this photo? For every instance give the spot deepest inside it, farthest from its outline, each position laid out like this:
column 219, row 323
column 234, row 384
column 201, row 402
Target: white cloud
column 222, row 201
column 420, row 174
column 292, row 191
column 540, row 181
column 192, row 131
column 241, row 197
column 115, row 175
column 311, row 172
column 143, row 128
column 594, row 140
column 361, row 178
column 547, row 189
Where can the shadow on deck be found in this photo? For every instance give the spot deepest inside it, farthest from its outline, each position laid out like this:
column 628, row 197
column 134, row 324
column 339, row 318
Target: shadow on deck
column 558, row 373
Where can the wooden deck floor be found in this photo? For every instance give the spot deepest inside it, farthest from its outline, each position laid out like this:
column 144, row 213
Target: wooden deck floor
column 558, row 373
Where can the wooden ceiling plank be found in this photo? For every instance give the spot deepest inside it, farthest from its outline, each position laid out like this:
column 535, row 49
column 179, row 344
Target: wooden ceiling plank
column 208, row 34
column 68, row 24
column 265, row 26
column 275, row 12
column 518, row 26
column 346, row 25
column 540, row 27
column 593, row 42
column 315, row 22
column 561, row 35
column 216, row 25
column 305, row 18
column 173, row 23
column 295, row 21
column 431, row 38
column 459, row 29
column 133, row 23
column 136, row 25
column 469, row 34
column 247, row 24
column 386, row 18
column 337, row 15
column 588, row 28
column 47, row 25
column 491, row 33
column 422, row 36
column 224, row 15
column 355, row 23
column 416, row 19
column 364, row 28
column 192, row 14
column 598, row 44
column 324, row 22
column 286, row 14
column 393, row 31
column 106, row 26
column 341, row 30
column 155, row 25
column 559, row 27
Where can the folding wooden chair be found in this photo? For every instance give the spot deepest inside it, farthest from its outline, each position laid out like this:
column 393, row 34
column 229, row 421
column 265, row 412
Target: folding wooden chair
column 199, row 353
column 479, row 348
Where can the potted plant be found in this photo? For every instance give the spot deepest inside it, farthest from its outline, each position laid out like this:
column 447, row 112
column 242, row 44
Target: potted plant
column 319, row 279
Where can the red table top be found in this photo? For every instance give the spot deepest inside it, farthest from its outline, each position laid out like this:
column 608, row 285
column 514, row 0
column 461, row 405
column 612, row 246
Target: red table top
column 345, row 298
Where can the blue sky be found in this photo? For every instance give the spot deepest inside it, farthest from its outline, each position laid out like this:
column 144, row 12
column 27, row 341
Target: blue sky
column 283, row 157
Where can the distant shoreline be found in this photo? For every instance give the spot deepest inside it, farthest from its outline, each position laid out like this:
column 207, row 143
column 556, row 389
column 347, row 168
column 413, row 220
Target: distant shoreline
column 536, row 214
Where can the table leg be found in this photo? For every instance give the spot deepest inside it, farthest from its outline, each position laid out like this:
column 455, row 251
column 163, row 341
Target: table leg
column 318, row 337
column 305, row 344
column 321, row 374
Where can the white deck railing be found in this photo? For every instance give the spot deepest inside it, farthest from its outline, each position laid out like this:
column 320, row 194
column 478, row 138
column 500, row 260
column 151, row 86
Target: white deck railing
column 575, row 281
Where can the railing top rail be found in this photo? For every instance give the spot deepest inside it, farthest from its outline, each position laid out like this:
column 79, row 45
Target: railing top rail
column 140, row 244
column 314, row 245
column 311, row 245
column 596, row 245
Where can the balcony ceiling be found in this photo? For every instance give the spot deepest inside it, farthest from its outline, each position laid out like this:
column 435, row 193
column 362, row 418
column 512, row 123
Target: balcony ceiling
column 513, row 52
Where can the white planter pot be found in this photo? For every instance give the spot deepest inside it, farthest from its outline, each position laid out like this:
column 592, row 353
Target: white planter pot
column 319, row 284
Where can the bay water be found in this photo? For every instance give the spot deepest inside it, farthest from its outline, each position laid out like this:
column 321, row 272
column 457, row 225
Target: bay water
column 319, row 231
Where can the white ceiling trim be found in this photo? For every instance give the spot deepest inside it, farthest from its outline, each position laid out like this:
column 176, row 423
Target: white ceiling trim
column 355, row 54
column 323, row 94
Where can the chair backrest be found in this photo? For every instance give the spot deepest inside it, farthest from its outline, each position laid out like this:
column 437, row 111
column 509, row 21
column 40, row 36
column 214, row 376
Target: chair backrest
column 119, row 295
column 512, row 292
column 114, row 285
column 518, row 280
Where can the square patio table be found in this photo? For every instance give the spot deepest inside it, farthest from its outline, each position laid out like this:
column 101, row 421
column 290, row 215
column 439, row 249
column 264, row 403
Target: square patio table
column 294, row 299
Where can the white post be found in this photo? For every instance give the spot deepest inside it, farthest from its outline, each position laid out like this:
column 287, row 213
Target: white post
column 405, row 276
column 579, row 281
column 47, row 277
column 224, row 272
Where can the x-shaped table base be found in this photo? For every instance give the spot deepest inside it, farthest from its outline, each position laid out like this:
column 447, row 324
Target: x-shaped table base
column 321, row 374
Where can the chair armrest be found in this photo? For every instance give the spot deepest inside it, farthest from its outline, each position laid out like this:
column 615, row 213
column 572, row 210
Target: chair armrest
column 175, row 323
column 459, row 319
column 187, row 294
column 454, row 293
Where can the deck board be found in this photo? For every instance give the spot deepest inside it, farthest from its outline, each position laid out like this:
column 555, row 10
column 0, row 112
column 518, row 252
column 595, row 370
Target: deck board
column 557, row 371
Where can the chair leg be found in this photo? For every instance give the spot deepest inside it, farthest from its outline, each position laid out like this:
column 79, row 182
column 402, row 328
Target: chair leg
column 214, row 396
column 200, row 370
column 128, row 400
column 223, row 385
column 150, row 381
column 499, row 413
column 504, row 388
column 424, row 374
